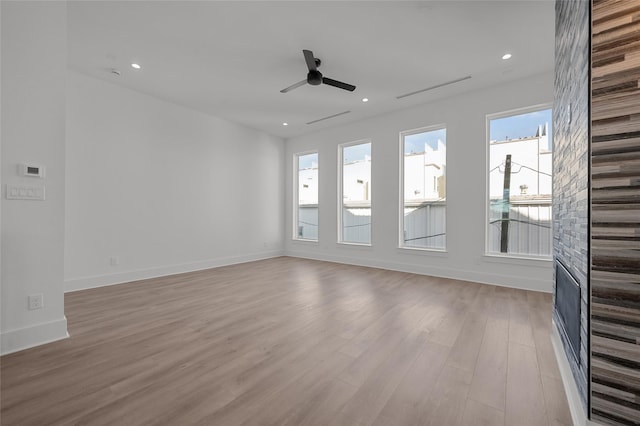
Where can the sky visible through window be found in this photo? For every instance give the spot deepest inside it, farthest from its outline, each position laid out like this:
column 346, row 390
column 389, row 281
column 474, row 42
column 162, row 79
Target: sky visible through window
column 513, row 127
column 307, row 161
column 415, row 143
column 519, row 126
column 356, row 152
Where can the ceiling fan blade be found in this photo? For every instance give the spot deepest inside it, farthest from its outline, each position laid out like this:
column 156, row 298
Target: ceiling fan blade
column 338, row 84
column 294, row 86
column 310, row 60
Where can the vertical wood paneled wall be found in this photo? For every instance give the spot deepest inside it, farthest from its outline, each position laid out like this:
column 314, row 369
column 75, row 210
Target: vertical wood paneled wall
column 615, row 212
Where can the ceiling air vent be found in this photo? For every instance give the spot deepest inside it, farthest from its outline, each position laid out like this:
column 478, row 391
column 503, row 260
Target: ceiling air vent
column 331, row 116
column 434, row 87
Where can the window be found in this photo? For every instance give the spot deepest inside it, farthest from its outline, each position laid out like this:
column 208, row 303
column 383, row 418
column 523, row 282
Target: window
column 520, row 183
column 423, row 192
column 355, row 193
column 306, row 199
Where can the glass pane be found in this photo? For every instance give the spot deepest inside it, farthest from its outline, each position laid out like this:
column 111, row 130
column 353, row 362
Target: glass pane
column 356, row 193
column 520, row 184
column 307, row 197
column 424, row 191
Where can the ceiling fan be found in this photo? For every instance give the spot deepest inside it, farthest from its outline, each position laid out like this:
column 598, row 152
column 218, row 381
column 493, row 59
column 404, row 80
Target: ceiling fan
column 315, row 78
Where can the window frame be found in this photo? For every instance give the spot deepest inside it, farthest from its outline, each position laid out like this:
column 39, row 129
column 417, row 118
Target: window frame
column 402, row 135
column 340, row 200
column 487, row 195
column 296, row 195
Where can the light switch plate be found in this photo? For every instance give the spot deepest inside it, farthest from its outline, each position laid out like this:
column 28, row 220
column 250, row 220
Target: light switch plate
column 25, row 192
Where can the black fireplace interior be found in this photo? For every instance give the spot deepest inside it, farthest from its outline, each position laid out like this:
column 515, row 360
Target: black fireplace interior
column 568, row 308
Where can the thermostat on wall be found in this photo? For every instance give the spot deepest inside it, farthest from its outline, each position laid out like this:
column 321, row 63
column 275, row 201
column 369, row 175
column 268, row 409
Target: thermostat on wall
column 32, row 170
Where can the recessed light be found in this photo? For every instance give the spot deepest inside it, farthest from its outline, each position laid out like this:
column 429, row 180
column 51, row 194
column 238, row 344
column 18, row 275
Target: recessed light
column 365, row 99
column 285, row 124
column 506, row 56
column 136, row 66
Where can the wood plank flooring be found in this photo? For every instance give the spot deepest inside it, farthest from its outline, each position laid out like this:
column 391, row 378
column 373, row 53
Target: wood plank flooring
column 293, row 342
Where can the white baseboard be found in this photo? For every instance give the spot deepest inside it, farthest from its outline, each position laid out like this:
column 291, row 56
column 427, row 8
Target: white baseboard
column 578, row 414
column 34, row 335
column 85, row 283
column 519, row 282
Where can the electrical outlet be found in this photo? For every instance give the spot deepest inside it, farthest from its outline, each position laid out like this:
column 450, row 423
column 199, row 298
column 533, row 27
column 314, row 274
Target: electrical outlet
column 114, row 261
column 36, row 301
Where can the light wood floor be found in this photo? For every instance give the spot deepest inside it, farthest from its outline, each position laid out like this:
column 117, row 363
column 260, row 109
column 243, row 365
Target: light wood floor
column 293, row 342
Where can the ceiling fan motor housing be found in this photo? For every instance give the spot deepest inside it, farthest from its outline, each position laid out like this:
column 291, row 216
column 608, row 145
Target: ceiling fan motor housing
column 314, row 78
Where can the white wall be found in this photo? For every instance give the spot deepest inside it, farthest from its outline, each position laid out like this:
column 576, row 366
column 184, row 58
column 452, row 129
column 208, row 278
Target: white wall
column 465, row 118
column 163, row 188
column 34, row 61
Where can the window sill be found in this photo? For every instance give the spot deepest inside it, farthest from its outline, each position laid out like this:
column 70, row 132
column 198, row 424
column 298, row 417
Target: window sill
column 518, row 260
column 434, row 251
column 304, row 241
column 344, row 243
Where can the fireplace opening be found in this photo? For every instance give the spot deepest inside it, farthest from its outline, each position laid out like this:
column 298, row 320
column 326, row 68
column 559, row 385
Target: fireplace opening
column 567, row 306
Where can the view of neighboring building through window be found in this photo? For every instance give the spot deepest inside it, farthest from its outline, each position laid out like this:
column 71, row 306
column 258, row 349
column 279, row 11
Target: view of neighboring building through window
column 307, row 197
column 423, row 192
column 520, row 184
column 355, row 171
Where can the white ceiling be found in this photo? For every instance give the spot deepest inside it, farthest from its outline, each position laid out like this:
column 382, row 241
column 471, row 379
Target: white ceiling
column 231, row 59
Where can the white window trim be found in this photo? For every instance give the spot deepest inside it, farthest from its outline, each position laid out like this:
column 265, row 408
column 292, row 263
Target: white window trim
column 296, row 175
column 402, row 135
column 503, row 114
column 340, row 189
column 517, row 259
